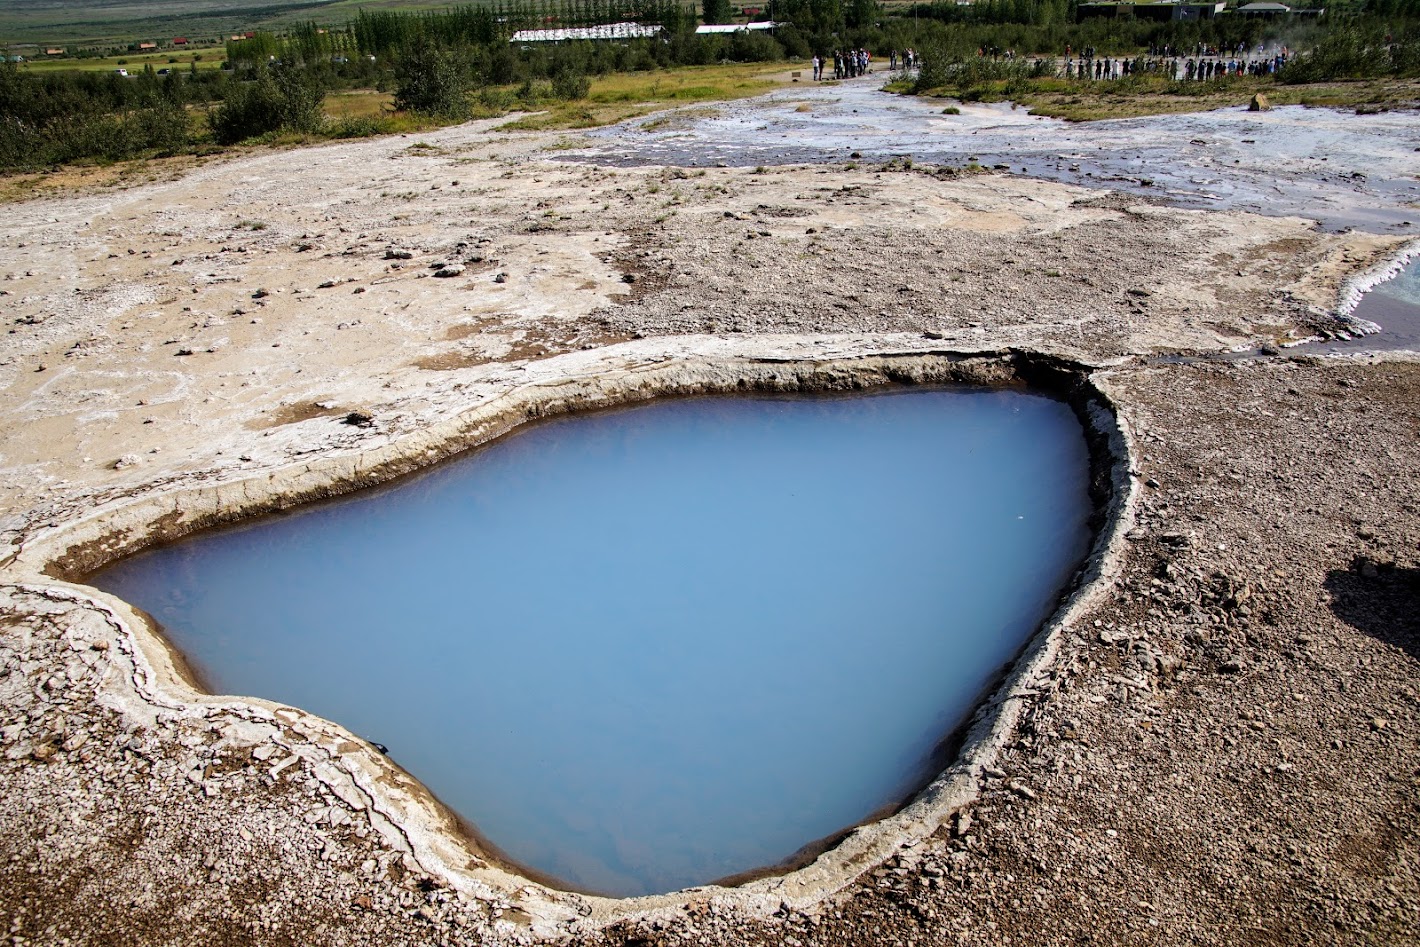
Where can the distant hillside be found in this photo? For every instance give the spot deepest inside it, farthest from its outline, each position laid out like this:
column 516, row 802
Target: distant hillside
column 83, row 22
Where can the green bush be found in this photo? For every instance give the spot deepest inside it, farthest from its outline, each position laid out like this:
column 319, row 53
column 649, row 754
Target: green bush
column 1357, row 52
column 745, row 46
column 363, row 127
column 493, row 99
column 432, row 81
column 568, row 86
column 278, row 99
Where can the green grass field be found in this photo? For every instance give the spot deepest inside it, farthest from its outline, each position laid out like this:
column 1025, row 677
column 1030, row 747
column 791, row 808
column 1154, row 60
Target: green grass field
column 206, row 58
column 111, row 22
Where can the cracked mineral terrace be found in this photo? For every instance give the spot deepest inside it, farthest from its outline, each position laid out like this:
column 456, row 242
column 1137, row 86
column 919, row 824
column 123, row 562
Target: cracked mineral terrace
column 1213, row 741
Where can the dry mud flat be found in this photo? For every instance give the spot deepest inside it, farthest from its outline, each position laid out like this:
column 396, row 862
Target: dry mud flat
column 1221, row 748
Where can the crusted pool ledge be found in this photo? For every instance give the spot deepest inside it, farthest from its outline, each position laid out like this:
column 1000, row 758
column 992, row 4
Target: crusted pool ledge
column 152, row 679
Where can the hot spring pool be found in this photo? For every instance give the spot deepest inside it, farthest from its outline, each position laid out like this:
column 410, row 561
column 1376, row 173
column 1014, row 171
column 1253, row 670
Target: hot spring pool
column 654, row 647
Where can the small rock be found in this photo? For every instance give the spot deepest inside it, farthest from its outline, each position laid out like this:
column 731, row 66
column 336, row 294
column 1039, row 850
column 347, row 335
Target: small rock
column 398, row 255
column 501, row 278
column 359, row 419
column 453, row 269
column 127, row 460
column 932, row 334
column 328, row 284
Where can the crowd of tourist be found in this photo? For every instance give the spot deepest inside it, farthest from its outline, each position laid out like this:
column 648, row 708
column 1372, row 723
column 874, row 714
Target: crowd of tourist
column 1201, row 64
column 847, row 64
column 857, row 62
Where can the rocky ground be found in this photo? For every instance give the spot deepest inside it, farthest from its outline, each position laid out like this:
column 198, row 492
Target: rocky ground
column 1228, row 749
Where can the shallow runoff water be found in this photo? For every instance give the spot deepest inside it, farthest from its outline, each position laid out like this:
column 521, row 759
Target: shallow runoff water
column 1394, row 305
column 1330, row 165
column 654, row 647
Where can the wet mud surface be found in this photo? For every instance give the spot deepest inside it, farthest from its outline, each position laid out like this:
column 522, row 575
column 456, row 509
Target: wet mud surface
column 1333, row 166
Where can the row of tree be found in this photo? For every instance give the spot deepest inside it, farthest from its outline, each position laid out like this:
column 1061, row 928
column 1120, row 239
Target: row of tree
column 445, row 63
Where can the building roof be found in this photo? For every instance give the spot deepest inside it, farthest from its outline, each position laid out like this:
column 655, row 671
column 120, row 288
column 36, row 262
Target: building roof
column 1265, row 8
column 733, row 27
column 606, row 31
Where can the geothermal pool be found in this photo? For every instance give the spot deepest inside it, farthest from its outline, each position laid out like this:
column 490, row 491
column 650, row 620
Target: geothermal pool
column 654, row 647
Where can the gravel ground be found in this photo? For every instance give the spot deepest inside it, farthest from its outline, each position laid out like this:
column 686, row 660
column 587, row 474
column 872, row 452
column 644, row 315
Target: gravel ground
column 1226, row 749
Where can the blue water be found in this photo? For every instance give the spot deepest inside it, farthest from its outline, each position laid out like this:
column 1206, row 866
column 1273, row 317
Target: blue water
column 1394, row 305
column 654, row 647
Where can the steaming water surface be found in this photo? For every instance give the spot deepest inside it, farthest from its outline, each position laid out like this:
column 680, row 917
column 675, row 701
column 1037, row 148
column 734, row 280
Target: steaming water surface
column 654, row 647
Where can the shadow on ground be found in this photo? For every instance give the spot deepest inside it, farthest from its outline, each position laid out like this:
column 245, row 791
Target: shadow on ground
column 1381, row 600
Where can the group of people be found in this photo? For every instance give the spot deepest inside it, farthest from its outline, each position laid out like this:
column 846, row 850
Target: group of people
column 858, row 62
column 1199, row 68
column 908, row 59
column 1206, row 63
column 847, row 64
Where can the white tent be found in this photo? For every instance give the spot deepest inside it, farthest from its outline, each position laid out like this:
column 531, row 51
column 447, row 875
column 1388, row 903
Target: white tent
column 734, row 27
column 606, row 31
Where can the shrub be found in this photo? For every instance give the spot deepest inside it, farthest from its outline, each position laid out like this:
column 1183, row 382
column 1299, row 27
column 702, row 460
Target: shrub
column 432, row 81
column 358, row 127
column 280, row 99
column 495, row 100
column 568, row 86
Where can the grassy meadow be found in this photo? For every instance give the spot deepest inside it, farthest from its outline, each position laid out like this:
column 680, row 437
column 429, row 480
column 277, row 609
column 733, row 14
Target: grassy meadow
column 104, row 22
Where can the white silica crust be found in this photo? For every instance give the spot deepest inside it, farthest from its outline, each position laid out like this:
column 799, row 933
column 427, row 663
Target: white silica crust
column 1355, row 288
